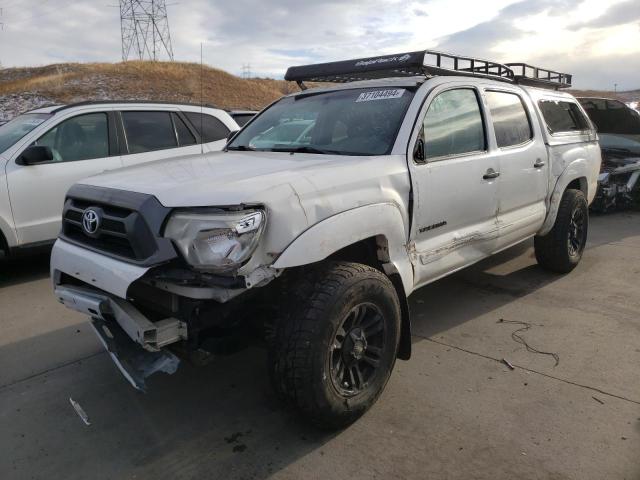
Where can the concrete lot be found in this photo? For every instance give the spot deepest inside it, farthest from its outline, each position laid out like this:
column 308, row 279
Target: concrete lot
column 452, row 412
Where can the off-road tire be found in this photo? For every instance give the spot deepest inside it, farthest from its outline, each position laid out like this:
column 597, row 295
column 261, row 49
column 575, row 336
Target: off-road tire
column 553, row 250
column 318, row 299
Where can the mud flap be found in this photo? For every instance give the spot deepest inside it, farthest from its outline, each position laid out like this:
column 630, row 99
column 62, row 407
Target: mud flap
column 135, row 363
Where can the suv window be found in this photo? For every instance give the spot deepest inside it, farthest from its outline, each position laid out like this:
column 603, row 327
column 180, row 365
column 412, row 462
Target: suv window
column 84, row 137
column 213, row 128
column 562, row 117
column 147, row 131
column 453, row 124
column 510, row 119
column 185, row 137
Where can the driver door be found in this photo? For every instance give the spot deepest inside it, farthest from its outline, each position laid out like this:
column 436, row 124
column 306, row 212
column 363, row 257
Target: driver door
column 81, row 147
column 455, row 184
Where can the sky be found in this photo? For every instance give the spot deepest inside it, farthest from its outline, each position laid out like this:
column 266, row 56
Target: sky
column 598, row 41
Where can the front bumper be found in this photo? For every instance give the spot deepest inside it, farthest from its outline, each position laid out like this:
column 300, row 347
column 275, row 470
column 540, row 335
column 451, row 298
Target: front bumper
column 92, row 268
column 133, row 341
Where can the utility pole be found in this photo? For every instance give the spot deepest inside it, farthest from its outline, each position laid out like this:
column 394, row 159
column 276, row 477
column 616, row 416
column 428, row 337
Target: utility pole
column 144, row 26
column 246, row 71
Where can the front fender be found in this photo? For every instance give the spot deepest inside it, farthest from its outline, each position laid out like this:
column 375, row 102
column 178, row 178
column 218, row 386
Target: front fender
column 346, row 228
column 576, row 169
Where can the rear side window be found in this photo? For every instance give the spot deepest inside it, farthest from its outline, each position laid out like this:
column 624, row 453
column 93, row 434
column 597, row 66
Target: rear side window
column 510, row 119
column 210, row 128
column 453, row 124
column 563, row 117
column 147, row 131
column 185, row 137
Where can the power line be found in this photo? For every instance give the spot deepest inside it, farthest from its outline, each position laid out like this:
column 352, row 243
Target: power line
column 144, row 27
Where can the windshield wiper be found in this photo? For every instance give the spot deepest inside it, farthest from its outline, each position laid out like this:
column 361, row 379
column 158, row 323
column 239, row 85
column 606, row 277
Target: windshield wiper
column 308, row 149
column 241, row 148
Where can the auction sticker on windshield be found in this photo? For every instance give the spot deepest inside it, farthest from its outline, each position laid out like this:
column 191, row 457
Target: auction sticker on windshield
column 380, row 95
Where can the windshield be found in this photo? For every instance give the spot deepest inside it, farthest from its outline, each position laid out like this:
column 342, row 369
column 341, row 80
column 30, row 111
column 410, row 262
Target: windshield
column 17, row 128
column 618, row 125
column 362, row 121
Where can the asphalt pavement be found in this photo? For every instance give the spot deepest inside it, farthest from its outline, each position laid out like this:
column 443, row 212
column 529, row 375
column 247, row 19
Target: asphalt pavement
column 454, row 411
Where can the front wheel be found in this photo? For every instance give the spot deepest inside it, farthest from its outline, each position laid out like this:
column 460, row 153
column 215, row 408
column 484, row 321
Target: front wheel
column 561, row 249
column 336, row 343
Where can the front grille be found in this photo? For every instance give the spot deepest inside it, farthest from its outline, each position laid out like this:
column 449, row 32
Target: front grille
column 122, row 232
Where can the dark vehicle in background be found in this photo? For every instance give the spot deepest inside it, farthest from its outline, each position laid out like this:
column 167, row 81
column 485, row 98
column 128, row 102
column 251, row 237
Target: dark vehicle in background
column 242, row 117
column 619, row 133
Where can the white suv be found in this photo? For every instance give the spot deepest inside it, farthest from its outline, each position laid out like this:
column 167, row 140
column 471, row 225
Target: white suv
column 45, row 151
column 318, row 238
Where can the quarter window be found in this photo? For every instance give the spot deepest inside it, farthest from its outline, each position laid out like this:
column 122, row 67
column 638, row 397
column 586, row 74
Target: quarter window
column 147, row 131
column 510, row 119
column 84, row 137
column 210, row 128
column 453, row 124
column 185, row 137
column 563, row 117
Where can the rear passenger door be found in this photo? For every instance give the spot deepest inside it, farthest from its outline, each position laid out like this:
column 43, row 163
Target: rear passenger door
column 152, row 135
column 524, row 169
column 455, row 184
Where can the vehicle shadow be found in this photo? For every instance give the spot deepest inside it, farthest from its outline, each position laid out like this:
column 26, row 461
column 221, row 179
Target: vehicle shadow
column 25, row 269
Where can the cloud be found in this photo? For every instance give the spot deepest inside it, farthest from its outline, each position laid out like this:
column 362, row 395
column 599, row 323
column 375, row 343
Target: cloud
column 271, row 35
column 619, row 14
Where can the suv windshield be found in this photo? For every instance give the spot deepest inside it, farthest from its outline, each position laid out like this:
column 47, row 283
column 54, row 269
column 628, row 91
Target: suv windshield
column 363, row 121
column 17, row 128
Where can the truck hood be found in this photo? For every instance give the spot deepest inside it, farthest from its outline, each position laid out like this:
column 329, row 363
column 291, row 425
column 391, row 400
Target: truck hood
column 297, row 191
column 215, row 179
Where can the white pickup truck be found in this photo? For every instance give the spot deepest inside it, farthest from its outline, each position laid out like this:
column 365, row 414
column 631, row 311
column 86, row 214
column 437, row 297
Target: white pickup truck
column 411, row 167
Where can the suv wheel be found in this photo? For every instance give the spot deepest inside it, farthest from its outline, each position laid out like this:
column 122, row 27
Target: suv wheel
column 561, row 249
column 336, row 343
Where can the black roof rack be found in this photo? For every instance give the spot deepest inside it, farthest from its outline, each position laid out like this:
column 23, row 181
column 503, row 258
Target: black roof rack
column 112, row 102
column 425, row 63
column 539, row 77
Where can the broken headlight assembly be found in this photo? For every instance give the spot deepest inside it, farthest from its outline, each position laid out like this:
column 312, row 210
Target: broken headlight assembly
column 216, row 241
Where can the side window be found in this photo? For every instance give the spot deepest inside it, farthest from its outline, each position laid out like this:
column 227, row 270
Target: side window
column 185, row 137
column 212, row 128
column 562, row 117
column 84, row 137
column 510, row 119
column 147, row 131
column 453, row 124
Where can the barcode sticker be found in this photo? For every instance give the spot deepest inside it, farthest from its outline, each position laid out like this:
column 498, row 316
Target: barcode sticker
column 380, row 95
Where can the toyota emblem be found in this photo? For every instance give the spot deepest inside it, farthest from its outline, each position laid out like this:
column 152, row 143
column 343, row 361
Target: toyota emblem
column 90, row 221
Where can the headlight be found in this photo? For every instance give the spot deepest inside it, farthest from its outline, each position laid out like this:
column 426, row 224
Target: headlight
column 219, row 241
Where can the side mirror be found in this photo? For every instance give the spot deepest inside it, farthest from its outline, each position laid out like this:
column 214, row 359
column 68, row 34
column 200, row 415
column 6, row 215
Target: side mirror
column 418, row 152
column 35, row 154
column 232, row 134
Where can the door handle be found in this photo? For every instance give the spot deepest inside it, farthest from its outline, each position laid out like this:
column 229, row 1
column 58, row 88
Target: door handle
column 491, row 173
column 539, row 163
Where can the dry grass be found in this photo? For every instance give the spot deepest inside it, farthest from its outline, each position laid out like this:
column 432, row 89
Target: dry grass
column 162, row 81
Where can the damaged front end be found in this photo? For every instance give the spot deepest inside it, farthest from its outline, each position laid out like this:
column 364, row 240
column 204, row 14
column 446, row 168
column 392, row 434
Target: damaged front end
column 619, row 180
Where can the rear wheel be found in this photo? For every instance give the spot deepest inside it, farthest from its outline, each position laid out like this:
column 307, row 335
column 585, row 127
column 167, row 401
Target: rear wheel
column 336, row 344
column 562, row 248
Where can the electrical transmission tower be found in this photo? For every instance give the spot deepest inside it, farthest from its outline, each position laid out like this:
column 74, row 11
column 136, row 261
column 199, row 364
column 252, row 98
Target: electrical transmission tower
column 145, row 29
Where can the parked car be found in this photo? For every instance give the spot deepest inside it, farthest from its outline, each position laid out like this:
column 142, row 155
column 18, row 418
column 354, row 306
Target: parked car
column 242, row 117
column 318, row 243
column 43, row 152
column 619, row 135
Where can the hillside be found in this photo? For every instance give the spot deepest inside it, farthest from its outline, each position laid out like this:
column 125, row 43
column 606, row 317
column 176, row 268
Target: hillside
column 22, row 89
column 26, row 88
